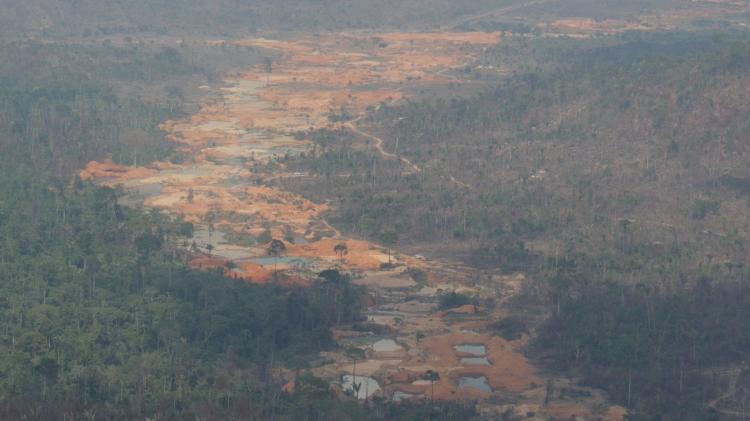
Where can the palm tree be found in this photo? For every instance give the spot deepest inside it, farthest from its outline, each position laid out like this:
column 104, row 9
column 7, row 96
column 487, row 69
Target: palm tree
column 389, row 239
column 354, row 354
column 432, row 376
column 342, row 250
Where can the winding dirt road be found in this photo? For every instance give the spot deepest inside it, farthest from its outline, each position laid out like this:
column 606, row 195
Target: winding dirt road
column 379, row 146
column 351, row 125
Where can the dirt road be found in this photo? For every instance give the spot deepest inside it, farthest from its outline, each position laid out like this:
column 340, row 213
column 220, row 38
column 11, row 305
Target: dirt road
column 351, row 125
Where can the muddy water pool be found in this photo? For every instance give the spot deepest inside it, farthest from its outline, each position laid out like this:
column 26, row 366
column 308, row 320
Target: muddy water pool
column 478, row 350
column 479, row 383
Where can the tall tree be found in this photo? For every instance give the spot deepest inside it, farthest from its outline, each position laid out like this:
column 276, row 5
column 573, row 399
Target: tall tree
column 276, row 249
column 341, row 250
column 389, row 239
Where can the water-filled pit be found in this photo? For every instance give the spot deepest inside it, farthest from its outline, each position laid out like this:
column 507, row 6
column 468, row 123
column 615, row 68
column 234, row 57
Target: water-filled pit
column 386, row 345
column 284, row 260
column 400, row 396
column 368, row 386
column 479, row 383
column 475, row 361
column 478, row 350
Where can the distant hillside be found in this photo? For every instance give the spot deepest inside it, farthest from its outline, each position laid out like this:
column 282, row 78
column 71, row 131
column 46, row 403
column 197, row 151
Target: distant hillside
column 227, row 16
column 608, row 16
column 238, row 17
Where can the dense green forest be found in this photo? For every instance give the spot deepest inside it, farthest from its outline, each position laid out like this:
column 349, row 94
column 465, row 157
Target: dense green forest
column 99, row 316
column 613, row 171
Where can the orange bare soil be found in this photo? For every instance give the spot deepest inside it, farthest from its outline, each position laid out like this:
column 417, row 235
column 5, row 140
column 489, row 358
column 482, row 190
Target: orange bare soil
column 258, row 117
column 255, row 119
column 509, row 369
